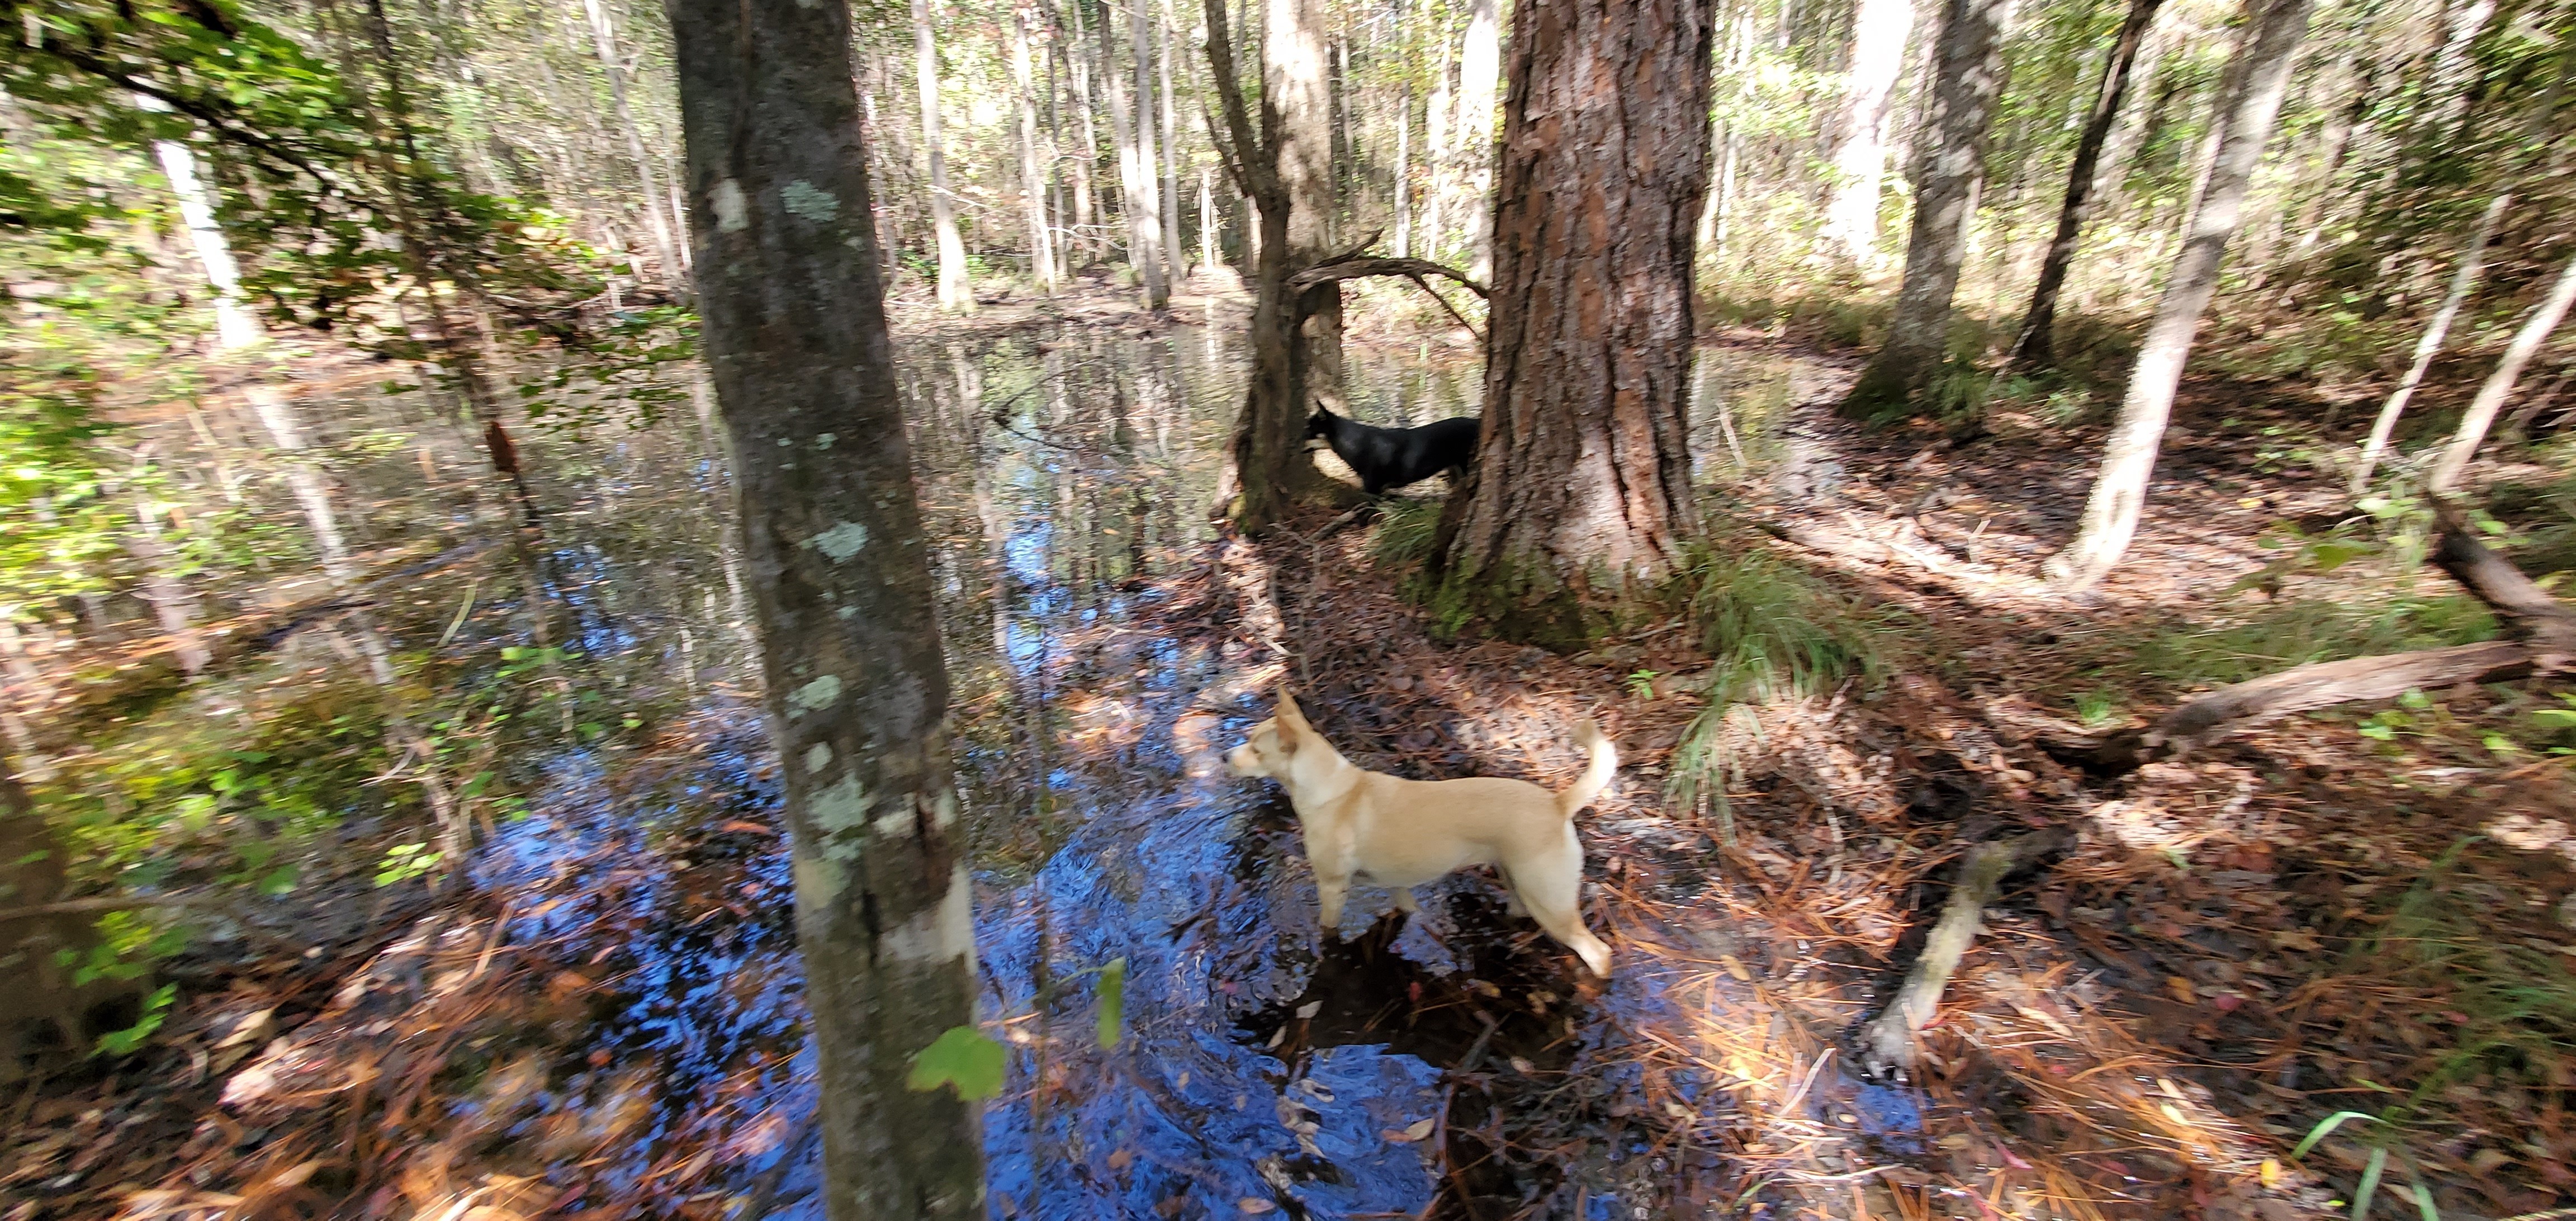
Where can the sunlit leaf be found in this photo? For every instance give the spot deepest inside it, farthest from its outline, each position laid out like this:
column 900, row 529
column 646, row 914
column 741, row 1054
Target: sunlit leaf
column 1113, row 1000
column 964, row 1058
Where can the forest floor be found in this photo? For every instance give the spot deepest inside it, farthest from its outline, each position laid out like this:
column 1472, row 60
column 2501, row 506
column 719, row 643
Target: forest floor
column 2354, row 911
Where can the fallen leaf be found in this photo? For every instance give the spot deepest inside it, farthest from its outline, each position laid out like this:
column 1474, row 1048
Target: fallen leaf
column 2181, row 988
column 2271, row 1170
column 1121, row 1159
column 1255, row 1206
column 747, row 828
column 1412, row 1132
column 1735, row 968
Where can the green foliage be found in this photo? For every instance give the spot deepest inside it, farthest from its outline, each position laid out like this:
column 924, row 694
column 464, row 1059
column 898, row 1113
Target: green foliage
column 156, row 1008
column 964, row 1058
column 403, row 862
column 1112, row 1002
column 1405, row 532
column 1772, row 631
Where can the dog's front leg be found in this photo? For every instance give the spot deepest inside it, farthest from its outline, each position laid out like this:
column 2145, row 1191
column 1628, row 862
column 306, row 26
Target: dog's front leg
column 1403, row 896
column 1329, row 892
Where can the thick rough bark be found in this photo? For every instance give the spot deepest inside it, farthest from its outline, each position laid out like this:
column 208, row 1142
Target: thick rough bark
column 795, row 329
column 2120, row 490
column 1879, row 31
column 1135, row 178
column 2463, row 278
column 2032, row 348
column 603, row 35
column 1582, row 484
column 956, row 288
column 1480, row 63
column 2499, row 384
column 1967, row 78
column 1033, row 181
column 1297, row 84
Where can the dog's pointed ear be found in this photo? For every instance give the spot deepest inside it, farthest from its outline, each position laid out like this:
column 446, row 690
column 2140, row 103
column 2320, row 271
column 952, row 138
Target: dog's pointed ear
column 1290, row 715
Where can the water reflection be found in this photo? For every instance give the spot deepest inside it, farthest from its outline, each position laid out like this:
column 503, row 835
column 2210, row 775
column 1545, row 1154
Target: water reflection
column 1060, row 471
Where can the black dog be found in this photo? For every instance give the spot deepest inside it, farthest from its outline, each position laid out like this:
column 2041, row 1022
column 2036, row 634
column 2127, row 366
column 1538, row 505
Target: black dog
column 1393, row 457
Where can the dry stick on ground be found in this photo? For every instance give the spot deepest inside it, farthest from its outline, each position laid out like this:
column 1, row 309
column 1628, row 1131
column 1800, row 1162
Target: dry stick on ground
column 1888, row 1039
column 2540, row 638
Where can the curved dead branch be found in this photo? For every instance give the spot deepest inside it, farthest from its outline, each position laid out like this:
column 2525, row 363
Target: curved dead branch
column 2539, row 638
column 1352, row 266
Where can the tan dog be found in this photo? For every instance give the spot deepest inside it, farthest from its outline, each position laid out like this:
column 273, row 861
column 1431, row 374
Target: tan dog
column 1397, row 833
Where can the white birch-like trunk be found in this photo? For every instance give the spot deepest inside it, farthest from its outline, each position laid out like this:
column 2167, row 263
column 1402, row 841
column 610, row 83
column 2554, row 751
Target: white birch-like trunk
column 666, row 251
column 1170, row 192
column 1879, row 32
column 1207, row 220
column 235, row 326
column 1437, row 127
column 1149, row 170
column 1135, row 180
column 1480, row 69
column 956, row 288
column 1403, row 167
column 1086, row 199
column 2499, row 384
column 2129, row 459
column 2465, row 277
column 1042, row 262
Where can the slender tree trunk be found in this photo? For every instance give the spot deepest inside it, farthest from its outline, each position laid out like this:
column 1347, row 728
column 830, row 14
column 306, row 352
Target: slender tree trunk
column 857, row 693
column 1135, row 177
column 1177, row 254
column 2119, row 495
column 235, row 326
column 1438, row 126
column 1149, row 165
column 1480, row 62
column 2463, row 279
column 174, row 605
column 1879, row 32
column 1711, row 234
column 1968, row 69
column 1033, row 180
column 604, row 37
column 2499, row 384
column 1296, row 80
column 1581, row 488
column 1207, row 221
column 1086, row 198
column 956, row 287
column 1403, row 170
column 2032, row 347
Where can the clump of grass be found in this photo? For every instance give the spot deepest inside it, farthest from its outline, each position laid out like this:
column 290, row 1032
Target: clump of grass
column 2518, row 1001
column 1774, row 631
column 2296, row 633
column 1405, row 532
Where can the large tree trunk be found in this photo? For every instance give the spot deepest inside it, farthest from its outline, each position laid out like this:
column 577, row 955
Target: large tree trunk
column 1968, row 70
column 1033, row 179
column 1582, row 483
column 1480, row 65
column 1266, row 464
column 2499, row 384
column 956, row 287
column 1879, row 31
column 1135, row 176
column 2463, row 278
column 2245, row 124
column 1295, row 80
column 2032, row 348
column 857, row 695
column 665, row 249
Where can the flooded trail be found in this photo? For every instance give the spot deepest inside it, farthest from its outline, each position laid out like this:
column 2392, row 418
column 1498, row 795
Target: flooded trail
column 611, row 1022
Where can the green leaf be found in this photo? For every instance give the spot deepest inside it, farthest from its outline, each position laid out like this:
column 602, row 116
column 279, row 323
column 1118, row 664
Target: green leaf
column 2330, row 556
column 278, row 881
column 2326, row 1126
column 963, row 1057
column 2369, row 1184
column 2556, row 718
column 2415, row 698
column 1113, row 1000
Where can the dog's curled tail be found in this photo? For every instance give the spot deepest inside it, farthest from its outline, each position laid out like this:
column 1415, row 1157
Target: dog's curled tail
column 1596, row 776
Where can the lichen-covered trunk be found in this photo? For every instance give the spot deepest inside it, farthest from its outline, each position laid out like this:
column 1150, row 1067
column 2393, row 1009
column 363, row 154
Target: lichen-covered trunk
column 795, row 332
column 2032, row 347
column 1582, row 484
column 1296, row 79
column 2261, row 70
column 1967, row 78
column 1879, row 31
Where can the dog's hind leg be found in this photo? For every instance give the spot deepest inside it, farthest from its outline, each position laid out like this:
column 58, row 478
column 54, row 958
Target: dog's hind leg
column 1329, row 894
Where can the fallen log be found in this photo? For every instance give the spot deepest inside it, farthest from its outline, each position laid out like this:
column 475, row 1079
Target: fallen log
column 1888, row 1040
column 2540, row 638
